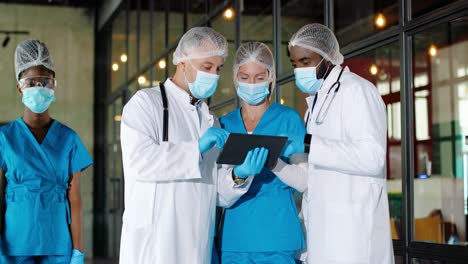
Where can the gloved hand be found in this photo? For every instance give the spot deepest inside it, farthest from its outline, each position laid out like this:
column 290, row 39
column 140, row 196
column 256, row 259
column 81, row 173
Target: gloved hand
column 77, row 257
column 213, row 136
column 253, row 163
column 294, row 145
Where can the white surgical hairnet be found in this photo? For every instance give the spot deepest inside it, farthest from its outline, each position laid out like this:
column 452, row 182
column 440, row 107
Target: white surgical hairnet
column 200, row 42
column 255, row 52
column 319, row 39
column 30, row 53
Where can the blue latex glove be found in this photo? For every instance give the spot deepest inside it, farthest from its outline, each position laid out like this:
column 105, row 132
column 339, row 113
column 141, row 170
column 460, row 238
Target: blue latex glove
column 213, row 136
column 253, row 163
column 294, row 145
column 77, row 257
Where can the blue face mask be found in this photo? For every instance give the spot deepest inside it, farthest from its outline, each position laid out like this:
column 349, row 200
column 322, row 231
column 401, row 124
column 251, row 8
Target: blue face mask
column 38, row 99
column 306, row 79
column 204, row 85
column 252, row 93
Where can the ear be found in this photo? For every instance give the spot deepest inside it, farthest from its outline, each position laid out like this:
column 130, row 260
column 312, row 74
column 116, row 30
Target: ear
column 20, row 92
column 183, row 65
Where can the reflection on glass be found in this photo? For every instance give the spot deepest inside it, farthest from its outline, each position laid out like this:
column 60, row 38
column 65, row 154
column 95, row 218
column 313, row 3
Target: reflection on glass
column 257, row 22
column 145, row 33
column 144, row 80
column 115, row 176
column 294, row 15
column 293, row 97
column 420, row 7
column 440, row 65
column 370, row 17
column 399, row 260
column 196, row 12
column 225, row 88
column 176, row 21
column 382, row 67
column 224, row 110
column 159, row 73
column 425, row 261
column 134, row 86
column 118, row 66
column 133, row 49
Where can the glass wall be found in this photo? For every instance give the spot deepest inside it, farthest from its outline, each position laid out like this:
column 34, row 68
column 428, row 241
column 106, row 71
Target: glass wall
column 416, row 57
column 355, row 20
column 440, row 85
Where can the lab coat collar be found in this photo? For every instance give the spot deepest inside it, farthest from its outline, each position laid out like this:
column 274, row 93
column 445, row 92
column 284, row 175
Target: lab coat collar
column 327, row 83
column 331, row 78
column 181, row 95
column 310, row 100
column 186, row 100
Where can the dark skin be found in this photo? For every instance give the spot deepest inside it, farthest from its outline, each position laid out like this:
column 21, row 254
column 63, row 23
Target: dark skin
column 39, row 125
column 302, row 57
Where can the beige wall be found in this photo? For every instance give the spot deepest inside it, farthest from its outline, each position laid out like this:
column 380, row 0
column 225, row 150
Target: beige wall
column 69, row 34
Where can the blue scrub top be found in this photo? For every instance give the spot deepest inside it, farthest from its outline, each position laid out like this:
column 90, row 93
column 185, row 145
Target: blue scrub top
column 264, row 219
column 37, row 213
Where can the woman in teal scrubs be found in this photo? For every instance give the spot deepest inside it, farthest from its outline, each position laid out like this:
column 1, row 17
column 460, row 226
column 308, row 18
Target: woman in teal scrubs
column 41, row 160
column 263, row 226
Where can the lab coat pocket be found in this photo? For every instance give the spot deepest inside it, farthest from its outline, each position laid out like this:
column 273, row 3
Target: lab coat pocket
column 139, row 212
column 347, row 232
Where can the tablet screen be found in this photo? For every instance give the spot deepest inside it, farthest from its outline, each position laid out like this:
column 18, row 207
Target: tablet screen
column 238, row 145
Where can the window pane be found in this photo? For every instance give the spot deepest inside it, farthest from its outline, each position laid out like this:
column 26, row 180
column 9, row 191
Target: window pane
column 222, row 111
column 133, row 88
column 257, row 22
column 196, row 12
column 133, row 49
column 144, row 80
column 114, row 179
column 159, row 72
column 119, row 54
column 382, row 67
column 293, row 97
column 176, row 21
column 399, row 260
column 440, row 67
column 366, row 18
column 158, row 28
column 294, row 15
column 145, row 33
column 225, row 88
column 431, row 261
column 420, row 7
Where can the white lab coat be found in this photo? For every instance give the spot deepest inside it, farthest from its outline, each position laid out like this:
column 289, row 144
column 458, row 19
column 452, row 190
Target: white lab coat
column 171, row 191
column 347, row 212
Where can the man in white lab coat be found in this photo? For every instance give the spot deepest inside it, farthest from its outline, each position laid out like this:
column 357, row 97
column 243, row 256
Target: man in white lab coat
column 172, row 182
column 346, row 206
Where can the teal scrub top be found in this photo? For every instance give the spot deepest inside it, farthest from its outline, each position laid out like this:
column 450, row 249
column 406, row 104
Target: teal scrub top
column 37, row 213
column 264, row 219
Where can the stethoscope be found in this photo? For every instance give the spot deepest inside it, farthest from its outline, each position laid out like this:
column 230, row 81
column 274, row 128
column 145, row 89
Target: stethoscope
column 321, row 117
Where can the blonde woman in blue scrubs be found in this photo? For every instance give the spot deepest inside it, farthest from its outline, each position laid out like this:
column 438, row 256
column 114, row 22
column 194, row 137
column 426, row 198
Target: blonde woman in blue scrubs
column 263, row 226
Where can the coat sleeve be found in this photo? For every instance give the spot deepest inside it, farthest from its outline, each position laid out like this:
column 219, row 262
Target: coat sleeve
column 363, row 147
column 294, row 175
column 228, row 191
column 144, row 154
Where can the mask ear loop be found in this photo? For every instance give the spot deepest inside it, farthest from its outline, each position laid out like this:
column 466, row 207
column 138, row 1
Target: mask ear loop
column 326, row 72
column 185, row 72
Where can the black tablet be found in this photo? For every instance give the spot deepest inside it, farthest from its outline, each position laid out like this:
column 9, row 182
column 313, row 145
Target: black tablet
column 238, row 145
